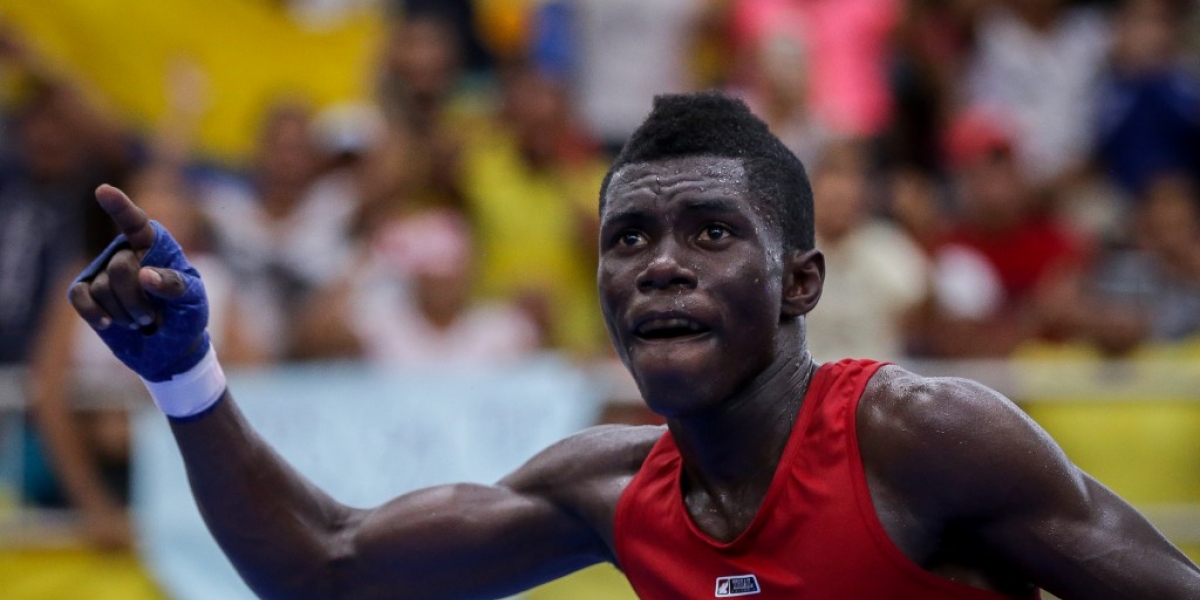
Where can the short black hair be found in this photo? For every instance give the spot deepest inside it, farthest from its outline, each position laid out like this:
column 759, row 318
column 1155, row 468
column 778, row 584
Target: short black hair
column 714, row 124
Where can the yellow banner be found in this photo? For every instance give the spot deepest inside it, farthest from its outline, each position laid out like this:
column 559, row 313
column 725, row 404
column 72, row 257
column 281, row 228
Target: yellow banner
column 248, row 53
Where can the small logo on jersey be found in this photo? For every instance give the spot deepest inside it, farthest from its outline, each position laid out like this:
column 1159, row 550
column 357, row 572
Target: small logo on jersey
column 737, row 585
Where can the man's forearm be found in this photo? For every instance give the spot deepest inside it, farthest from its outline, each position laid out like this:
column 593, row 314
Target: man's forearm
column 277, row 529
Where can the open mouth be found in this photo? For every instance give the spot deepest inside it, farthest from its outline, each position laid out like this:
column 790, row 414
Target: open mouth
column 670, row 329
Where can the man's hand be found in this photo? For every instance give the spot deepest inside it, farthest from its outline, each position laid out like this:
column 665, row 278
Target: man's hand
column 141, row 295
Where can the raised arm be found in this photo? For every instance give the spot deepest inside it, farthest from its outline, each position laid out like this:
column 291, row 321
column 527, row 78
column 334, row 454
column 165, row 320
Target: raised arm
column 289, row 539
column 967, row 459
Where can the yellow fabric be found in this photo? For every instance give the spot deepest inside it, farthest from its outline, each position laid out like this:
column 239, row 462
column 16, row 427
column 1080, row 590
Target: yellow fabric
column 71, row 574
column 76, row 573
column 251, row 52
column 601, row 582
column 505, row 25
column 532, row 237
column 1147, row 452
column 1146, row 447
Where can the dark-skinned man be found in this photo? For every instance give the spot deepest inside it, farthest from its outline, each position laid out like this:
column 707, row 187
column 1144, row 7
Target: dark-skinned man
column 775, row 476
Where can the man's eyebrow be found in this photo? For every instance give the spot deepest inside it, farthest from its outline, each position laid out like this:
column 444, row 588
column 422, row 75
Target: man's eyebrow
column 711, row 205
column 705, row 205
column 628, row 214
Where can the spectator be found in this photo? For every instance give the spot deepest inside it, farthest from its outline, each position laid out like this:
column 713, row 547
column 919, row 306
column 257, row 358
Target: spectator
column 777, row 88
column 846, row 42
column 1002, row 255
column 1149, row 117
column 282, row 235
column 420, row 71
column 1040, row 61
column 530, row 183
column 409, row 303
column 934, row 40
column 915, row 201
column 877, row 275
column 423, row 93
column 1150, row 291
column 379, row 168
column 461, row 16
column 61, row 148
column 628, row 51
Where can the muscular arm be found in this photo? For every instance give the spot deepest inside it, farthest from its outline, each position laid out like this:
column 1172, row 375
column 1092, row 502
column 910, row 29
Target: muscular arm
column 963, row 459
column 289, row 539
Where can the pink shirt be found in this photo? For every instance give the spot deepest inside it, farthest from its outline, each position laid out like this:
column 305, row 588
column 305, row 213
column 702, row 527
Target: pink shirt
column 847, row 45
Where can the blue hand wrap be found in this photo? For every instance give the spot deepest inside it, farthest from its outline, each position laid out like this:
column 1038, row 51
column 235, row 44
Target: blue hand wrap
column 180, row 340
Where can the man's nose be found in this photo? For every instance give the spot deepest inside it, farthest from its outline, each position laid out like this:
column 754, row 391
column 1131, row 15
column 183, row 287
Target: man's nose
column 666, row 269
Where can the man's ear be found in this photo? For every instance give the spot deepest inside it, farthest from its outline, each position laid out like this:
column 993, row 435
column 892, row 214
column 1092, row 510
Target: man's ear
column 803, row 280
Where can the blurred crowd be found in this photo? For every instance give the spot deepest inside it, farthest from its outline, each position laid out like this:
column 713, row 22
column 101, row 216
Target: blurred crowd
column 988, row 174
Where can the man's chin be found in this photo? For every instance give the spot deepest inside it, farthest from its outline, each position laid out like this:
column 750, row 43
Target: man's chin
column 675, row 403
column 666, row 382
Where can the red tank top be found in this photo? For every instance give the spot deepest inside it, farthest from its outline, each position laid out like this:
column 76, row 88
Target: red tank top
column 816, row 535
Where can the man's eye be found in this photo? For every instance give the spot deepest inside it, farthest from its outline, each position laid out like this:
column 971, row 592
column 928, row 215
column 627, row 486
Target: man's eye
column 713, row 233
column 629, row 238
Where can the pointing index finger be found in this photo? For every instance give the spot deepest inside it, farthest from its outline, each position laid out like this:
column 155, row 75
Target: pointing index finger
column 131, row 220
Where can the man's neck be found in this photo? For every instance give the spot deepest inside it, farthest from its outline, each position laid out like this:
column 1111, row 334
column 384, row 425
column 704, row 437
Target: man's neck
column 738, row 445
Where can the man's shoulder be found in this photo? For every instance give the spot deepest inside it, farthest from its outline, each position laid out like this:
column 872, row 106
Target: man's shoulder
column 609, row 446
column 597, row 456
column 937, row 425
column 948, row 441
column 897, row 397
column 900, row 389
column 586, row 473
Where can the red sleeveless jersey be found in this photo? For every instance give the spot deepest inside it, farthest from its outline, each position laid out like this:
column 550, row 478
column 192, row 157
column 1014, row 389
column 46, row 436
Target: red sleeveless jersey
column 816, row 535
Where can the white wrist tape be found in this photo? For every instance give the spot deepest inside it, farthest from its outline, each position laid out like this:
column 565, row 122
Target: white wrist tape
column 191, row 392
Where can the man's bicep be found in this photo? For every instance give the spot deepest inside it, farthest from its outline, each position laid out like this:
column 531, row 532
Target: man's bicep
column 1056, row 524
column 460, row 541
column 1094, row 546
column 1068, row 532
column 966, row 454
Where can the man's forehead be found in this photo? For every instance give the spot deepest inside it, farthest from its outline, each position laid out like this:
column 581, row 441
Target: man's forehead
column 721, row 168
column 705, row 174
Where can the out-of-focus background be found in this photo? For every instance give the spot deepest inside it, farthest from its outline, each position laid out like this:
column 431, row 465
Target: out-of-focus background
column 393, row 205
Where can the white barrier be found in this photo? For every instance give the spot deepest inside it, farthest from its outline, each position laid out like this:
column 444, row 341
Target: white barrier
column 367, row 437
column 363, row 437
